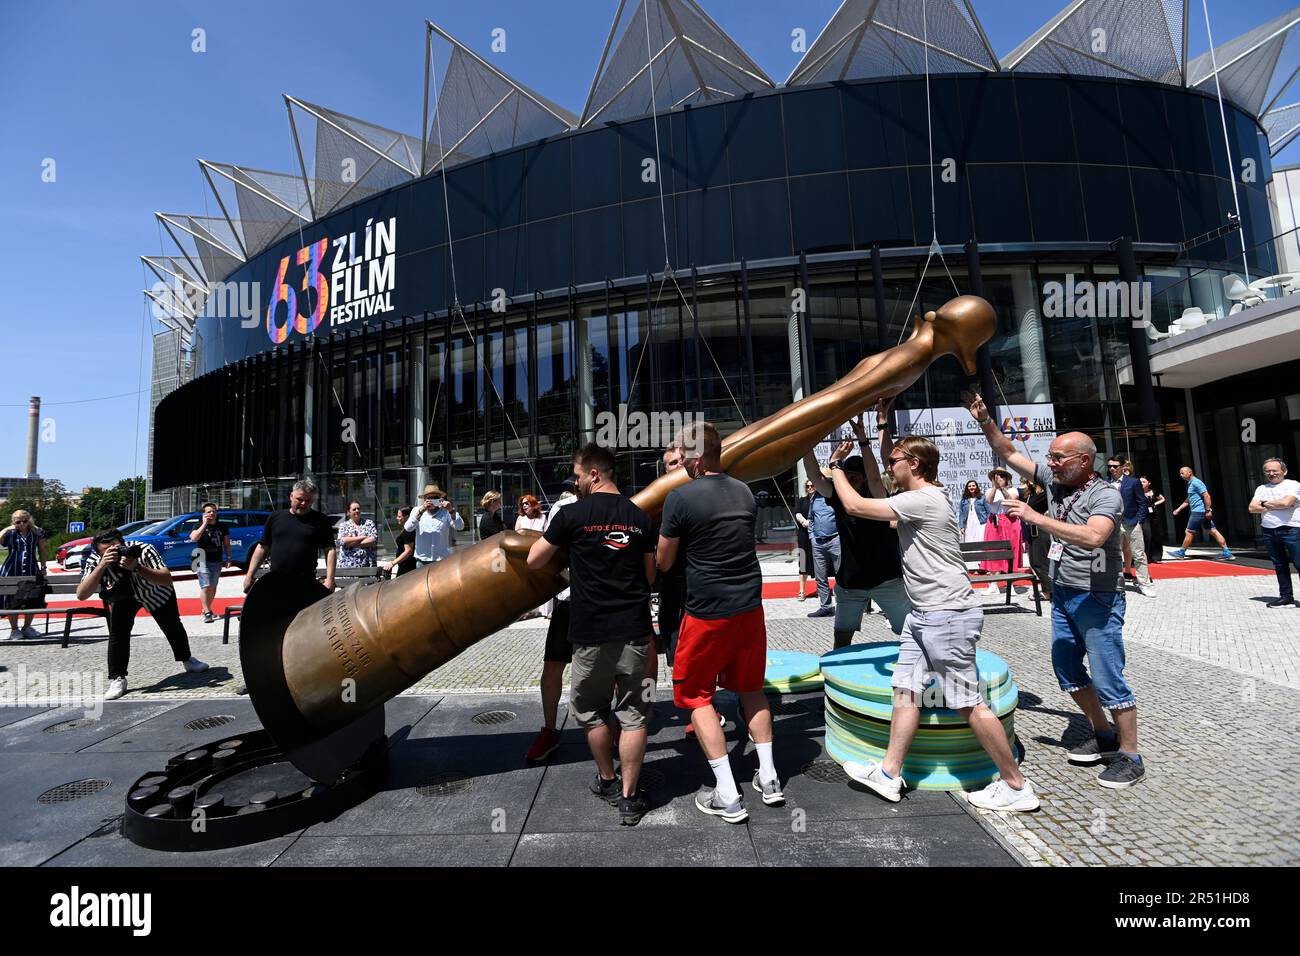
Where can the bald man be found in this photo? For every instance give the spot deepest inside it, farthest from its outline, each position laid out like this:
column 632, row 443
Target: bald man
column 1086, row 567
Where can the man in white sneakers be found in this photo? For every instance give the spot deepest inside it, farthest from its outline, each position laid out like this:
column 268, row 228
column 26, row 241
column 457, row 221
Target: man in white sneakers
column 1277, row 502
column 941, row 630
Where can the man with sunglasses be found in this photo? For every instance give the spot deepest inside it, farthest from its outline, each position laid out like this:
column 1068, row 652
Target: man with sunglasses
column 1086, row 565
column 1132, row 533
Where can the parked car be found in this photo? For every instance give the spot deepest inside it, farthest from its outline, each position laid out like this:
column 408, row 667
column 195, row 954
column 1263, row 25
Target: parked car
column 171, row 538
column 72, row 553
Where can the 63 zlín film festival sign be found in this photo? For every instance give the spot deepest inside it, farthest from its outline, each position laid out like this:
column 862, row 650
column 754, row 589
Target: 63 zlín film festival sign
column 345, row 278
column 964, row 453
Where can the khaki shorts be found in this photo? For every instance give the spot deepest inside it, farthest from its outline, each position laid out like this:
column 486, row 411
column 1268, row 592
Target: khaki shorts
column 607, row 678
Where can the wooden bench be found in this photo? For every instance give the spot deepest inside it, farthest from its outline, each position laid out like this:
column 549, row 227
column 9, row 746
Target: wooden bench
column 976, row 552
column 9, row 587
column 364, row 575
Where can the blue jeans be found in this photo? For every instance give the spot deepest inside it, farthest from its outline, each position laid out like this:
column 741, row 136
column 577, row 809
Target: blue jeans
column 1283, row 546
column 1090, row 624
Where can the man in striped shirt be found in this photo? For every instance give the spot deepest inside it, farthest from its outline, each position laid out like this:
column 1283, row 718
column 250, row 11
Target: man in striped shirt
column 128, row 581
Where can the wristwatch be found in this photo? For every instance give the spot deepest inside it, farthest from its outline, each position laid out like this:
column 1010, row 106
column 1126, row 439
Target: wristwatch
column 984, row 421
column 837, row 463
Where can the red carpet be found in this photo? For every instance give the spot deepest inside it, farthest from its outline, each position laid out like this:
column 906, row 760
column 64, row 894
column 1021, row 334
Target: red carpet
column 1193, row 568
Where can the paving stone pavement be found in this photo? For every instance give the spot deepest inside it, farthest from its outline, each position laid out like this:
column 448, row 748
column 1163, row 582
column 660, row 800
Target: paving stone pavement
column 1215, row 672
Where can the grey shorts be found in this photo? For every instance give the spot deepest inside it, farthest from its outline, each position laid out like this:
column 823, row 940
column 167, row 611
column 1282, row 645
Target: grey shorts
column 891, row 596
column 940, row 644
column 607, row 678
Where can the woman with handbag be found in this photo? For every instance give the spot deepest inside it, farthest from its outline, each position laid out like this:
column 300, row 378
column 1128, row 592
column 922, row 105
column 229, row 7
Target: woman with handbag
column 25, row 560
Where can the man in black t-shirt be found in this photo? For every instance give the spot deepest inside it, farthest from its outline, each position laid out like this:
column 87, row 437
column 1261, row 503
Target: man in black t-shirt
column 871, row 568
column 672, row 583
column 611, row 565
column 293, row 537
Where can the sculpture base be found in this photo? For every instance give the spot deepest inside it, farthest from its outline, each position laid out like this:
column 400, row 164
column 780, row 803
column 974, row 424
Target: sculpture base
column 238, row 791
column 945, row 755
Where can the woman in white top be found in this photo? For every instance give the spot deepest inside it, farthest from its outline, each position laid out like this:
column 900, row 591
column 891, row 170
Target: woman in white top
column 531, row 519
column 972, row 513
column 1002, row 526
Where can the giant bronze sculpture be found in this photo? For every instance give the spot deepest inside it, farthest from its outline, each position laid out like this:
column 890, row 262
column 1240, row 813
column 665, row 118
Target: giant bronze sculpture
column 319, row 667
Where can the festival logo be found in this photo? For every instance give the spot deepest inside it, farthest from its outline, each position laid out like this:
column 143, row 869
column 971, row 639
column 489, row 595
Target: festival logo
column 1016, row 428
column 362, row 277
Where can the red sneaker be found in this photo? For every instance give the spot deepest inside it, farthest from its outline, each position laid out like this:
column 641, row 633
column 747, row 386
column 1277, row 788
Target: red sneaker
column 544, row 745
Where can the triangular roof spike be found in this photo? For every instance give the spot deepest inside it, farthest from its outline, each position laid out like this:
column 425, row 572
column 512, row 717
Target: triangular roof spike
column 209, row 229
column 264, row 216
column 1250, row 65
column 1282, row 125
column 871, row 38
column 170, row 267
column 188, row 251
column 1136, row 39
column 701, row 61
column 479, row 108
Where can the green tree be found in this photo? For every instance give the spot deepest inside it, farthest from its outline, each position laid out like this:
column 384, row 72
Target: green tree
column 45, row 498
column 109, row 507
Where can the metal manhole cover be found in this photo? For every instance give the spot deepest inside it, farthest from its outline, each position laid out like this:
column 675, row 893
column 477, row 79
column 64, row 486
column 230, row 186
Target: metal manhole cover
column 494, row 717
column 825, row 771
column 788, row 707
column 650, row 780
column 445, row 784
column 65, row 725
column 67, row 792
column 207, row 723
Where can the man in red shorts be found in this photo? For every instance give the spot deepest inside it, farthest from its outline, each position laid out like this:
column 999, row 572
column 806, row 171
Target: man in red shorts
column 723, row 637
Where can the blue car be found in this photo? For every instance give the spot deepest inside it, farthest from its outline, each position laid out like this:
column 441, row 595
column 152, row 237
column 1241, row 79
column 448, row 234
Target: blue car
column 171, row 536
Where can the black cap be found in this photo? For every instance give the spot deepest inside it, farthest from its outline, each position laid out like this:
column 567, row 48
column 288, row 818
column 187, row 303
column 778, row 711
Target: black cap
column 854, row 463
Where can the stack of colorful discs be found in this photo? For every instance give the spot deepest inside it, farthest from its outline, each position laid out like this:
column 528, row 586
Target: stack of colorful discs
column 792, row 672
column 945, row 754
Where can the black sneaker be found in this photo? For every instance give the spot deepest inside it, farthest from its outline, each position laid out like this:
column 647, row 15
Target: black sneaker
column 1283, row 602
column 608, row 790
column 209, row 617
column 1122, row 772
column 632, row 809
column 1093, row 750
column 823, row 612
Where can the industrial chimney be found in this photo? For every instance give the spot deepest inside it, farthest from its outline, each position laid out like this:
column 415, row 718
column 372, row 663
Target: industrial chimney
column 33, row 432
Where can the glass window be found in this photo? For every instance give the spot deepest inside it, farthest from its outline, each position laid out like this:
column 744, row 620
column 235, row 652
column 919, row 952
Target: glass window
column 1056, row 203
column 465, row 200
column 505, row 262
column 1000, row 203
column 547, row 169
column 699, row 136
column 1108, row 201
column 872, row 136
column 1046, row 131
column 594, row 234
column 1147, row 126
column 1099, row 132
column 819, row 206
column 946, row 106
column 951, row 206
column 636, row 145
column 1199, row 199
column 1214, row 125
column 882, row 208
column 992, row 135
column 556, row 393
column 761, row 217
column 754, row 140
column 516, row 393
column 1073, row 345
column 504, row 176
column 595, row 168
column 1188, row 133
column 814, row 133
column 704, row 226
column 549, row 254
column 468, row 270
column 643, row 235
column 1159, row 216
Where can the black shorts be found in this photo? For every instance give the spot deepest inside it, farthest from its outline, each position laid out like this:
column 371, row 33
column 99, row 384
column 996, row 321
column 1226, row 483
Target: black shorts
column 558, row 647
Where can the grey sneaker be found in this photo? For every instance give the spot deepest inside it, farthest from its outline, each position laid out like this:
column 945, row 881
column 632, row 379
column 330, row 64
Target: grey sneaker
column 608, row 790
column 708, row 801
column 1122, row 772
column 773, row 796
column 29, row 631
column 1092, row 750
column 871, row 775
column 823, row 612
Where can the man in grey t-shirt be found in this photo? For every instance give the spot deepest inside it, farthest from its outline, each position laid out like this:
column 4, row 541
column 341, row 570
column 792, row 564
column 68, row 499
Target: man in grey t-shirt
column 1086, row 561
column 939, row 633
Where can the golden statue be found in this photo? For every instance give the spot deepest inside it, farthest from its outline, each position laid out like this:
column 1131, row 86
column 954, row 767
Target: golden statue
column 316, row 663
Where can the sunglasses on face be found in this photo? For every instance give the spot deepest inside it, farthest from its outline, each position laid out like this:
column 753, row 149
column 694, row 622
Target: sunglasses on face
column 895, row 461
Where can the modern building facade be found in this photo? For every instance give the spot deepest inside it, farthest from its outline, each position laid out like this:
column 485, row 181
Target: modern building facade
column 474, row 303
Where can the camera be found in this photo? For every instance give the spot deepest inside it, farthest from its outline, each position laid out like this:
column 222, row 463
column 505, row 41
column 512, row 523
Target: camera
column 132, row 551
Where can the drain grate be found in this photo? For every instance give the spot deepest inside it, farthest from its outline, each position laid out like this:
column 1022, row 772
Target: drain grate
column 492, row 717
column 784, row 707
column 66, row 725
column 825, row 771
column 650, row 780
column 208, row 723
column 67, row 792
column 445, row 784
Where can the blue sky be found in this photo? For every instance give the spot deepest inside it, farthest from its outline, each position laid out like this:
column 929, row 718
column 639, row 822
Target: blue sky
column 115, row 95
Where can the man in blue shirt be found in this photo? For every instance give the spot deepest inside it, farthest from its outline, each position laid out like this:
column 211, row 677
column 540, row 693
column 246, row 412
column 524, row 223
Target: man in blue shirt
column 1132, row 531
column 1201, row 517
column 825, row 536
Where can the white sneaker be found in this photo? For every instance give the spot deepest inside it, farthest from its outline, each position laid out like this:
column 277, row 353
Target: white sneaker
column 1146, row 590
column 195, row 666
column 871, row 775
column 1000, row 796
column 116, row 688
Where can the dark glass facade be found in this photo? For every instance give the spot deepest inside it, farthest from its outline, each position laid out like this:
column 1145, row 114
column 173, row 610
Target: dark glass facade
column 1047, row 172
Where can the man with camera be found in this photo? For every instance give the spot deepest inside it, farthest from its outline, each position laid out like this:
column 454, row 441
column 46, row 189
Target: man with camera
column 127, row 579
column 432, row 526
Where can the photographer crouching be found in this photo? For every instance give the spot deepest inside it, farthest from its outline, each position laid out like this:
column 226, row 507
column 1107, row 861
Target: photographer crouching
column 129, row 578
